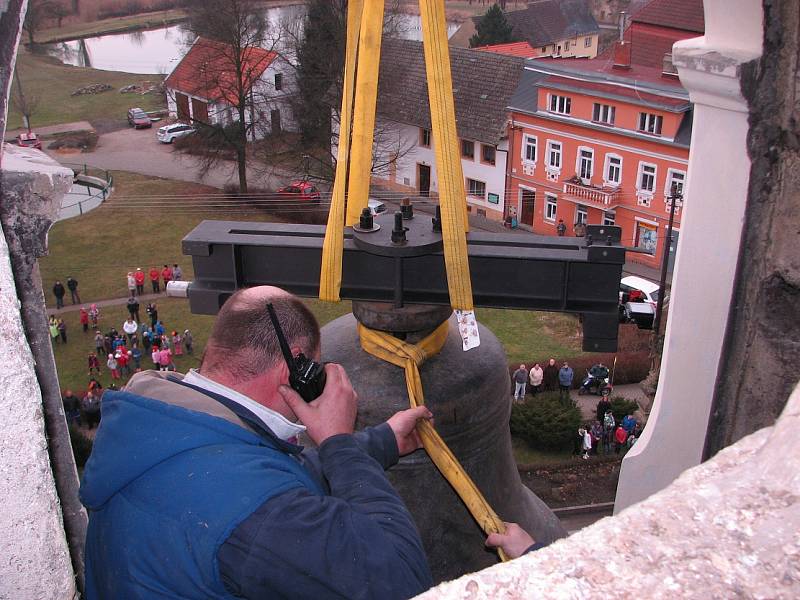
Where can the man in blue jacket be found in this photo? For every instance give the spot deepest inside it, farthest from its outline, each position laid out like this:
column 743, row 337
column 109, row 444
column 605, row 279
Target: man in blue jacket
column 565, row 375
column 196, row 487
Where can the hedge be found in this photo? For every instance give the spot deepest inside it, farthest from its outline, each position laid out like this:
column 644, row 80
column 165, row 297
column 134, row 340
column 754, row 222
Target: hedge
column 546, row 422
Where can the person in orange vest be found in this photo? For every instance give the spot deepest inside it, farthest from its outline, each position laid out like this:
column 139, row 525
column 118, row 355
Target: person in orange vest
column 154, row 280
column 166, row 275
column 138, row 277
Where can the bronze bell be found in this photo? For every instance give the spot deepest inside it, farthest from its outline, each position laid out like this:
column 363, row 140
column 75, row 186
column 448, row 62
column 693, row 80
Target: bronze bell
column 470, row 398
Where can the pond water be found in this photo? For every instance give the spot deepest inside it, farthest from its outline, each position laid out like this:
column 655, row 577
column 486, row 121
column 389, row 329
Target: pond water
column 159, row 50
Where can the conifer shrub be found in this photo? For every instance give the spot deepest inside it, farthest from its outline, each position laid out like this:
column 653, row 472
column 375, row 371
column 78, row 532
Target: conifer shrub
column 546, row 422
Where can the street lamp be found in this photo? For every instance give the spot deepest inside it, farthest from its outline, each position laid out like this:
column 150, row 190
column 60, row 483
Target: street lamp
column 674, row 197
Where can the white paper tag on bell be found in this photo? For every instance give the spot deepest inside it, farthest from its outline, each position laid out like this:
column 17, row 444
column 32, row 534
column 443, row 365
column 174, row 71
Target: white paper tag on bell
column 468, row 329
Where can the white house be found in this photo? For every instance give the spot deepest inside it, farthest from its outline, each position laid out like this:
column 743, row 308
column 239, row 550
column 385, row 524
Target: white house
column 483, row 84
column 202, row 87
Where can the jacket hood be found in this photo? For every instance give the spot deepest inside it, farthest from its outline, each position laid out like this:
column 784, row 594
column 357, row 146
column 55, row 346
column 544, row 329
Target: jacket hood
column 138, row 432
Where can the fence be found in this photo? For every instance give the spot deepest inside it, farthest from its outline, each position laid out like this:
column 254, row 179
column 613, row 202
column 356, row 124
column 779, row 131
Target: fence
column 90, row 188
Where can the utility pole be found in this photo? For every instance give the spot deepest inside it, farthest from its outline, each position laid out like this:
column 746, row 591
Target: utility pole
column 674, row 196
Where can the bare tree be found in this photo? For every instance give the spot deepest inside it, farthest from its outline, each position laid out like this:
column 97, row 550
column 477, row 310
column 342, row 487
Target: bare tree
column 38, row 12
column 25, row 104
column 238, row 54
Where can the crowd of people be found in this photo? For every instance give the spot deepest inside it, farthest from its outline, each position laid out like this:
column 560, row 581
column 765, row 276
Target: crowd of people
column 550, row 378
column 139, row 343
column 605, row 434
column 600, row 436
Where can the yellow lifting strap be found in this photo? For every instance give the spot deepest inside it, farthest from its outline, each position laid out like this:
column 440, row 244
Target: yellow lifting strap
column 452, row 199
column 354, row 162
column 410, row 357
column 333, row 246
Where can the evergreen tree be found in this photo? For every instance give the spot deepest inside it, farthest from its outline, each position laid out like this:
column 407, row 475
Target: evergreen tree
column 493, row 28
column 320, row 60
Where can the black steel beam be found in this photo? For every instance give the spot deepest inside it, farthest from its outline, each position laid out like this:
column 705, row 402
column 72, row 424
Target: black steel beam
column 578, row 275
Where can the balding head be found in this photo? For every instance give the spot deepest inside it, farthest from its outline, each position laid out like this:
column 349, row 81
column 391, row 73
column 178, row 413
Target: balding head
column 243, row 343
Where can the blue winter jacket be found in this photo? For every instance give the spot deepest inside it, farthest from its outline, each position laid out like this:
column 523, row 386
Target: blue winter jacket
column 186, row 504
column 565, row 375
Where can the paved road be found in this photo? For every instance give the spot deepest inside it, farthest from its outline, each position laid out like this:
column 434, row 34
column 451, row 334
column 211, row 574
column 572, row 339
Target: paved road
column 588, row 403
column 138, row 151
column 52, row 129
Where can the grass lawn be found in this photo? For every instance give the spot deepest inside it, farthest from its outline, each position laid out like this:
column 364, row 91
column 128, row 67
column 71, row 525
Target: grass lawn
column 108, row 26
column 100, row 247
column 51, row 83
column 525, row 455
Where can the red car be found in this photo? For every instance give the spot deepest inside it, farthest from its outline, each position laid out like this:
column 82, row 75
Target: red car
column 138, row 118
column 302, row 191
column 29, row 140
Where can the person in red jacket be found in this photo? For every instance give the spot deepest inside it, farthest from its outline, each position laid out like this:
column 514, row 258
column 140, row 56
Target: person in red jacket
column 166, row 275
column 154, row 280
column 138, row 276
column 620, row 437
column 84, row 319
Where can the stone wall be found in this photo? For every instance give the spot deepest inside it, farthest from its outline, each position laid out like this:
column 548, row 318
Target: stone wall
column 762, row 352
column 725, row 529
column 36, row 559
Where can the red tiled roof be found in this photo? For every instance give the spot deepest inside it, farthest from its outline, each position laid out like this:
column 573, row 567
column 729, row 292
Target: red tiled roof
column 686, row 15
column 635, row 96
column 604, row 64
column 207, row 71
column 522, row 49
column 649, row 44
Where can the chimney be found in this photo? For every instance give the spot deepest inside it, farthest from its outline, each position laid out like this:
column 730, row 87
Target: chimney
column 622, row 49
column 667, row 68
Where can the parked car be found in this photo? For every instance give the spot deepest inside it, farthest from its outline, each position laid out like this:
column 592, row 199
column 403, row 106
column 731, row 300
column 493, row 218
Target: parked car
column 376, row 207
column 301, row 191
column 29, row 140
column 169, row 133
column 138, row 119
column 648, row 289
column 637, row 301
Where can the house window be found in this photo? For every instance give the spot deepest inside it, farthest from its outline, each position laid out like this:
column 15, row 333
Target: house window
column 529, row 149
column 613, row 170
column 609, row 217
column 587, row 42
column 566, row 46
column 554, row 154
column 476, row 188
column 544, row 49
column 278, row 81
column 585, row 164
column 468, row 149
column 646, row 237
column 647, row 178
column 487, row 154
column 550, row 207
column 676, row 178
column 650, row 123
column 560, row 104
column 581, row 214
column 425, row 138
column 604, row 113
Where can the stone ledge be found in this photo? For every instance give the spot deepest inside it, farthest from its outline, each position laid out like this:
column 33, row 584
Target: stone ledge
column 726, row 528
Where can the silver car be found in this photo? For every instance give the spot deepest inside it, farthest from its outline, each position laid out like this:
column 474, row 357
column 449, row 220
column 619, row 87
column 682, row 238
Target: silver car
column 170, row 133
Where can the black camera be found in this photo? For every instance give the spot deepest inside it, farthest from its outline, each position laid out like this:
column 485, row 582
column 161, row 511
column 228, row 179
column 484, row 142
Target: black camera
column 306, row 377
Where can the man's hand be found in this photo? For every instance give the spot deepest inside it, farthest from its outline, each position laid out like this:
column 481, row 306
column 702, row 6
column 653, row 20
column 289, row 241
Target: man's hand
column 514, row 541
column 403, row 425
column 333, row 413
